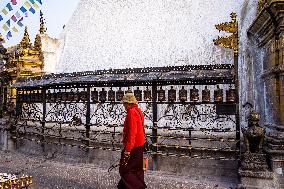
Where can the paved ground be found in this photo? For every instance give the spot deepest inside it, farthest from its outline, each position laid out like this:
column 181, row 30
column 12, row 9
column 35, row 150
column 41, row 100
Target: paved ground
column 49, row 174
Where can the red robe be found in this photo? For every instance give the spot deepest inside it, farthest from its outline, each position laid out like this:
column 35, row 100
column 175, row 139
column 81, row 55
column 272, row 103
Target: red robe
column 133, row 131
column 132, row 174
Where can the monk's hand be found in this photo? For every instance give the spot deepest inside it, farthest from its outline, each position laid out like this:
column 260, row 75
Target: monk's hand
column 126, row 157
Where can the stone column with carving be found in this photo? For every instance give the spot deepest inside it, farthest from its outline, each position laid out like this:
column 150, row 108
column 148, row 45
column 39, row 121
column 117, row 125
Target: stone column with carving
column 267, row 31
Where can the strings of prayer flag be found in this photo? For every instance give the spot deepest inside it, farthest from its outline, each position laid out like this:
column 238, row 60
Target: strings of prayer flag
column 16, row 20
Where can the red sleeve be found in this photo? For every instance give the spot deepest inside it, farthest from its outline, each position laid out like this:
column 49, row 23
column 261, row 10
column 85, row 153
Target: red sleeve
column 132, row 131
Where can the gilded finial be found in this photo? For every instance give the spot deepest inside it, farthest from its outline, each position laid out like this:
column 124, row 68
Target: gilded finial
column 42, row 28
column 1, row 39
column 38, row 47
column 25, row 43
column 37, row 43
column 231, row 41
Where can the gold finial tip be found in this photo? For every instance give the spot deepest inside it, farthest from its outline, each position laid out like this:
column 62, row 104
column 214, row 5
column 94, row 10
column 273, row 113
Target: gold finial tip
column 233, row 15
column 25, row 43
column 1, row 38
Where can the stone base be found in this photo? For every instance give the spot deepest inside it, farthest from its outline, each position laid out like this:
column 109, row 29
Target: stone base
column 256, row 180
column 275, row 149
column 254, row 172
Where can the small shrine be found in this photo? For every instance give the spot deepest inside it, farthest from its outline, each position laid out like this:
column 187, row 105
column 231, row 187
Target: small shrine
column 23, row 60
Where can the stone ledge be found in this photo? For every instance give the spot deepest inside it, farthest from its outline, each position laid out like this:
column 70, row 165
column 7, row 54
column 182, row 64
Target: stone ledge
column 258, row 174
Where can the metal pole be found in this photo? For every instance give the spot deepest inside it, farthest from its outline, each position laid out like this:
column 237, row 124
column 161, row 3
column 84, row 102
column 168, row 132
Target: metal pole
column 88, row 117
column 1, row 101
column 18, row 104
column 238, row 134
column 155, row 126
column 43, row 118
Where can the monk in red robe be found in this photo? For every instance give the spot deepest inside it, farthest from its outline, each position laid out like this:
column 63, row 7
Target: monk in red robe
column 131, row 162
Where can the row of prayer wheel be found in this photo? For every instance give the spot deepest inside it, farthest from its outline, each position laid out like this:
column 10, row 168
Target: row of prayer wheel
column 112, row 96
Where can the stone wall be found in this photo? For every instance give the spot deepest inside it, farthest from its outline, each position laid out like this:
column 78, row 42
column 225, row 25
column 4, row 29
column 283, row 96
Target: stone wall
column 266, row 34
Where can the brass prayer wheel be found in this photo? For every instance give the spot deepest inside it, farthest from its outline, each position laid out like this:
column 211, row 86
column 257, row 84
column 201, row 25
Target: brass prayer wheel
column 84, row 96
column 218, row 94
column 24, row 96
column 194, row 96
column 147, row 94
column 53, row 96
column 119, row 94
column 138, row 94
column 128, row 90
column 183, row 94
column 161, row 94
column 172, row 94
column 64, row 96
column 102, row 95
column 35, row 97
column 95, row 95
column 19, row 96
column 76, row 96
column 28, row 96
column 48, row 96
column 58, row 96
column 231, row 95
column 40, row 96
column 206, row 95
column 111, row 95
column 71, row 95
column 32, row 96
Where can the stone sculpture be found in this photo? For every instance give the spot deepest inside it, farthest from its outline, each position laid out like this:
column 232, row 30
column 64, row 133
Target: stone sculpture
column 254, row 135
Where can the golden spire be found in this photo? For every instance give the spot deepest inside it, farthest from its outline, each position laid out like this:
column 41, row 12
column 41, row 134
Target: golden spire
column 231, row 41
column 42, row 28
column 1, row 39
column 26, row 43
column 37, row 43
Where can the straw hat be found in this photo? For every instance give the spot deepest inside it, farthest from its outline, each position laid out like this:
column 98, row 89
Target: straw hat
column 129, row 98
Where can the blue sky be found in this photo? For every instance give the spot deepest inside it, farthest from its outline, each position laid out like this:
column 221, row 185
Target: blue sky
column 56, row 14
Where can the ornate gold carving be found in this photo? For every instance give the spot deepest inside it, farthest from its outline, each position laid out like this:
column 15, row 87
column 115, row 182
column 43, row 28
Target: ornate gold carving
column 231, row 41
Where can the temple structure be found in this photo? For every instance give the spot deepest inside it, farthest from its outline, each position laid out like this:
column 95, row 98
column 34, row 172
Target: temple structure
column 26, row 60
column 179, row 38
column 22, row 60
column 131, row 34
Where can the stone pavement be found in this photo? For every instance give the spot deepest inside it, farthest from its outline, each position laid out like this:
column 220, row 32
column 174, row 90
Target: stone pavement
column 50, row 174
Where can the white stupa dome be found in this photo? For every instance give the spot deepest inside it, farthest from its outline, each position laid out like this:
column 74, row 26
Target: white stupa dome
column 104, row 34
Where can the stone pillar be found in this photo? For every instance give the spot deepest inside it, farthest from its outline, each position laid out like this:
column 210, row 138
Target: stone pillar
column 282, row 96
column 267, row 31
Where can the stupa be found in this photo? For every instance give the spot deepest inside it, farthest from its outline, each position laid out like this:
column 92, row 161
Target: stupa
column 105, row 34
